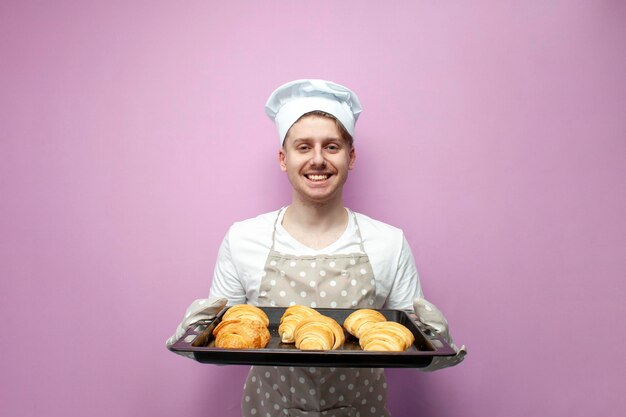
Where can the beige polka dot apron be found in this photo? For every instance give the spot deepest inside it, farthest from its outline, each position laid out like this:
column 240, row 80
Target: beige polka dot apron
column 336, row 281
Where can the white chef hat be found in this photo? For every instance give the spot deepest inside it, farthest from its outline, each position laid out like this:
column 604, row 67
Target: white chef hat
column 292, row 100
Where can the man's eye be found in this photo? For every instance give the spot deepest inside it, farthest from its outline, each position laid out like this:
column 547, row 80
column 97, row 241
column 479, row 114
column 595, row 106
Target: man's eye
column 303, row 147
column 332, row 147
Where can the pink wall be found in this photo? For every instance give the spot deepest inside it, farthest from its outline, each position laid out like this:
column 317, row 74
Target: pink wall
column 132, row 134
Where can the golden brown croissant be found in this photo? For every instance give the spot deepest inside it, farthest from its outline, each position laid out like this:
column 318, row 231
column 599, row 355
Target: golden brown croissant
column 319, row 332
column 386, row 336
column 360, row 320
column 241, row 334
column 290, row 319
column 248, row 312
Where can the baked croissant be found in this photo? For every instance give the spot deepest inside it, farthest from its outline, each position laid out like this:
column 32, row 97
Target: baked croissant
column 290, row 319
column 241, row 334
column 318, row 332
column 360, row 320
column 386, row 336
column 248, row 312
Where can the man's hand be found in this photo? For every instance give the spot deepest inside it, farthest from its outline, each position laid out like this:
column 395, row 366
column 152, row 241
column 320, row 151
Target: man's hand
column 428, row 314
column 201, row 309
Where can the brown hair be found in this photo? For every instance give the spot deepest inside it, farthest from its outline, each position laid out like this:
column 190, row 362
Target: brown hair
column 318, row 113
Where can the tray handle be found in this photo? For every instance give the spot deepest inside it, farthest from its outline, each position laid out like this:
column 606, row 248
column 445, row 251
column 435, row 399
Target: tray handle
column 194, row 334
column 430, row 332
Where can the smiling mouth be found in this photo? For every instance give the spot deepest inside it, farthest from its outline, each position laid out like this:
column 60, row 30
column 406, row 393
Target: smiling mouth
column 318, row 177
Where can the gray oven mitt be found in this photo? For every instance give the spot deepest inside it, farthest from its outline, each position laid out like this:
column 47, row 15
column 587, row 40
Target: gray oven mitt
column 201, row 309
column 430, row 316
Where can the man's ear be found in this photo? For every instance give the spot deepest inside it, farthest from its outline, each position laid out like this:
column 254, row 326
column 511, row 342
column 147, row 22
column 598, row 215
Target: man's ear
column 352, row 158
column 281, row 159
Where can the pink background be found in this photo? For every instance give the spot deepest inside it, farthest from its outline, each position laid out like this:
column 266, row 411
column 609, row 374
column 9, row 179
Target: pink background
column 132, row 134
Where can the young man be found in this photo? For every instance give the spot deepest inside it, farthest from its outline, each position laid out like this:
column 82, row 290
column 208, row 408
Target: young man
column 316, row 252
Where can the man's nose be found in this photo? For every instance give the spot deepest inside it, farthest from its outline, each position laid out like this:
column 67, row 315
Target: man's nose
column 318, row 156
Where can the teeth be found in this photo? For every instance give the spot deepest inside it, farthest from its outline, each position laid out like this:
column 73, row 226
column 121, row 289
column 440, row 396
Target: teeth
column 317, row 177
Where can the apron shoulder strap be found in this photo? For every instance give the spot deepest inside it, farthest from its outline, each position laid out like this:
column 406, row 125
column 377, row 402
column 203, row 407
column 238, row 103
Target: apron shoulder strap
column 274, row 230
column 358, row 231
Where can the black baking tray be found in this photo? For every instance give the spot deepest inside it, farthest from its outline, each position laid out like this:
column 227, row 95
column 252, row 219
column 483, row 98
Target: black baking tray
column 200, row 342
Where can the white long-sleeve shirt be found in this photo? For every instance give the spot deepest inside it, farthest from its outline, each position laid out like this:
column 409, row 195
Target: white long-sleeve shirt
column 244, row 250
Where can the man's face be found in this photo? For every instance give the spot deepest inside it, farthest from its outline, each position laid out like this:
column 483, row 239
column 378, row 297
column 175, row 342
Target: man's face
column 316, row 159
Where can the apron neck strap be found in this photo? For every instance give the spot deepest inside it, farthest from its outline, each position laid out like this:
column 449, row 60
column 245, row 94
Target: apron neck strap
column 274, row 231
column 350, row 213
column 358, row 231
